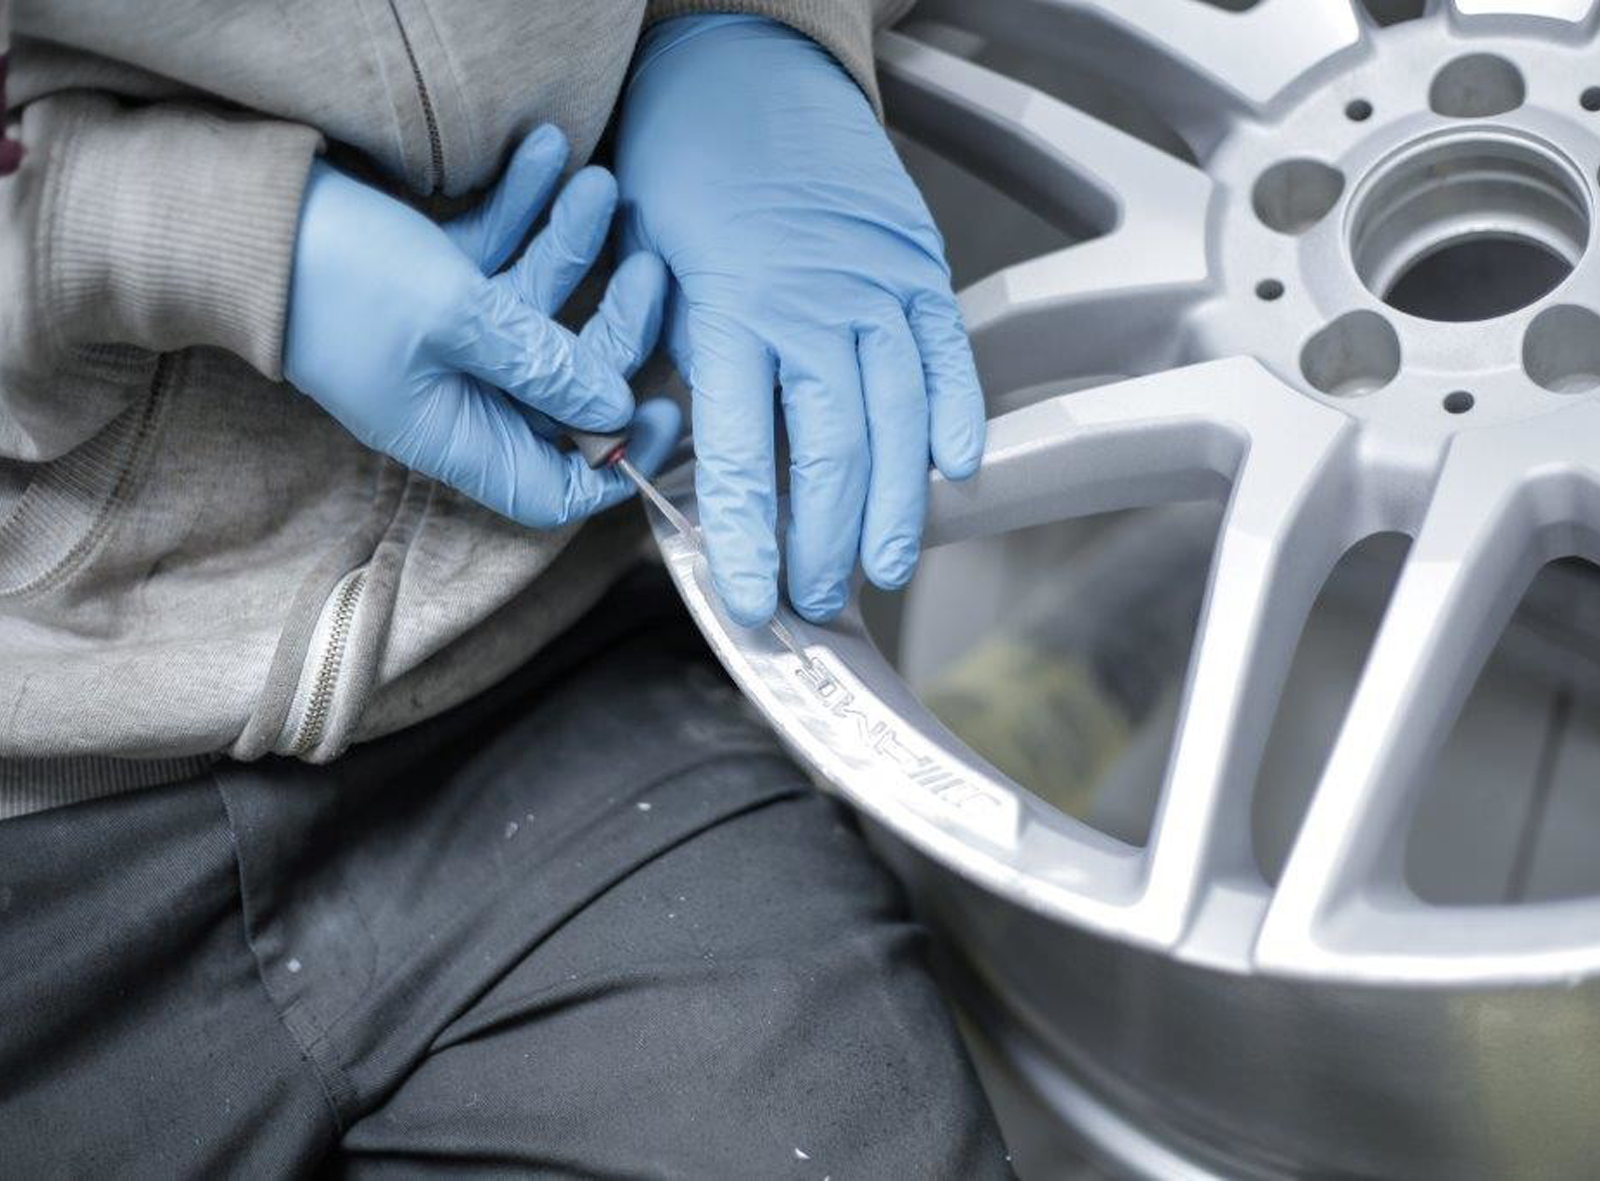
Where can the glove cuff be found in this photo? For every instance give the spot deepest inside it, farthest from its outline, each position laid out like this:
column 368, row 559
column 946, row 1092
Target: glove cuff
column 843, row 27
column 172, row 227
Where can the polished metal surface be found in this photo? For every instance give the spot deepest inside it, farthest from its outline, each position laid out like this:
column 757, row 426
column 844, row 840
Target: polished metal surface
column 1348, row 287
column 1265, row 1076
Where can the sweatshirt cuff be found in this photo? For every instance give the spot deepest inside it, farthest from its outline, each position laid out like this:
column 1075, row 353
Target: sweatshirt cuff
column 843, row 27
column 171, row 227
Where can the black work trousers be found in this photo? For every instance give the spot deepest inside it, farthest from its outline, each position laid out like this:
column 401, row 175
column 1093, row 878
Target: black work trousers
column 591, row 923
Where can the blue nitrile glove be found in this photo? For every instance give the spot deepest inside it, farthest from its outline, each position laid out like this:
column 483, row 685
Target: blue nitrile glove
column 395, row 328
column 800, row 249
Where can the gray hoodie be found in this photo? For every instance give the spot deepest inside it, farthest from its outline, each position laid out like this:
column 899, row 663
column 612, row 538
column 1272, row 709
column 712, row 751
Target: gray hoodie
column 195, row 560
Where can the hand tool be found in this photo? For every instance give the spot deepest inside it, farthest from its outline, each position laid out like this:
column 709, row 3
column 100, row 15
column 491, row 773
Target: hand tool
column 611, row 450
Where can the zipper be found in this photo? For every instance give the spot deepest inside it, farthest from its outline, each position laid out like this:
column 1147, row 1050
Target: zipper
column 330, row 639
column 435, row 146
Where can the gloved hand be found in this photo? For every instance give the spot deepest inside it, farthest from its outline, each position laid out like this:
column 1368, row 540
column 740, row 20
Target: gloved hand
column 754, row 166
column 395, row 328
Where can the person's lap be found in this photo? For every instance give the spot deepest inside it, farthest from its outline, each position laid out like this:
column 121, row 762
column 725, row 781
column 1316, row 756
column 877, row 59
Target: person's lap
column 591, row 923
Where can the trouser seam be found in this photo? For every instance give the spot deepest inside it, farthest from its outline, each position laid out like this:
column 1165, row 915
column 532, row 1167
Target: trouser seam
column 301, row 1028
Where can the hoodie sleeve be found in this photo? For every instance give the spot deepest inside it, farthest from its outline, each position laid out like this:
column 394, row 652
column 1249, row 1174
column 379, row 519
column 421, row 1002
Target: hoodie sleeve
column 843, row 27
column 162, row 226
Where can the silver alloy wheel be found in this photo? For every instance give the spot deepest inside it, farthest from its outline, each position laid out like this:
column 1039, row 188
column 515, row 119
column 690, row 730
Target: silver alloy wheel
column 1253, row 306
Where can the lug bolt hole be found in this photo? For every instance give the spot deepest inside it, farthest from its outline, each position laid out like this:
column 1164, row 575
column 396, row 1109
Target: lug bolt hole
column 1359, row 110
column 1294, row 195
column 1356, row 354
column 1477, row 86
column 1459, row 402
column 1269, row 290
column 1589, row 100
column 1561, row 350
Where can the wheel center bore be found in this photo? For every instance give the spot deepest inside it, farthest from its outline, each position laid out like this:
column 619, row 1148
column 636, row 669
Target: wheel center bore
column 1410, row 238
column 1468, row 225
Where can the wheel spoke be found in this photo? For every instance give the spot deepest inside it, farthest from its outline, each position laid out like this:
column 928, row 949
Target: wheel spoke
column 1189, row 57
column 1504, row 503
column 1185, row 434
column 1284, row 530
column 1177, row 435
column 1251, row 55
column 1112, row 306
column 1093, row 308
column 1123, row 445
column 1064, row 164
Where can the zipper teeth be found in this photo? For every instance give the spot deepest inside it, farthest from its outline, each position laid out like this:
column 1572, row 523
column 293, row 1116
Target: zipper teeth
column 435, row 147
column 320, row 701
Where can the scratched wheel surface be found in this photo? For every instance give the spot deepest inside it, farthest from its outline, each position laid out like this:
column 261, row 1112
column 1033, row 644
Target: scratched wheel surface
column 1351, row 288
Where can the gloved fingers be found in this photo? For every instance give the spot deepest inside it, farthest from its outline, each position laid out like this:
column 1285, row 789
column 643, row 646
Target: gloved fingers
column 489, row 233
column 528, row 355
column 732, row 378
column 480, row 445
column 897, row 434
column 561, row 254
column 829, row 465
column 624, row 329
column 621, row 334
column 955, row 399
column 490, row 451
